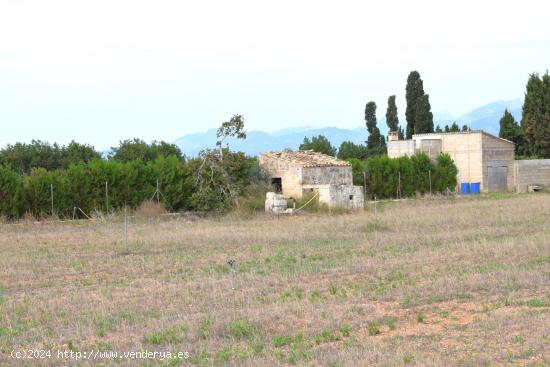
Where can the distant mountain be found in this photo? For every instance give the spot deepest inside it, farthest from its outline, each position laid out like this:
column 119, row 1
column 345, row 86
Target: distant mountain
column 486, row 118
column 259, row 141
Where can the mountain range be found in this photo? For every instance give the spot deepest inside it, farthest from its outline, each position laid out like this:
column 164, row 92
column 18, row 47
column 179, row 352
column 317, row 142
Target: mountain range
column 485, row 118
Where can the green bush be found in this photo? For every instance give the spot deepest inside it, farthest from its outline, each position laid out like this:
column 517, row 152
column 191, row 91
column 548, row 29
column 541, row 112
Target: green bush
column 10, row 193
column 445, row 173
column 413, row 174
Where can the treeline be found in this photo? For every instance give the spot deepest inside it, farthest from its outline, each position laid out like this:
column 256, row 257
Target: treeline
column 532, row 135
column 405, row 176
column 128, row 178
column 22, row 157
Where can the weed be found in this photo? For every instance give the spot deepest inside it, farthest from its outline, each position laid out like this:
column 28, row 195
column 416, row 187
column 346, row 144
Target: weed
column 392, row 323
column 345, row 329
column 373, row 327
column 241, row 329
column 204, row 328
column 281, row 340
column 420, row 318
column 172, row 335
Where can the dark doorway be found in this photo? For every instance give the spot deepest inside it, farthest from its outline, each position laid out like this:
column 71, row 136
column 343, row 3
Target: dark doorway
column 277, row 184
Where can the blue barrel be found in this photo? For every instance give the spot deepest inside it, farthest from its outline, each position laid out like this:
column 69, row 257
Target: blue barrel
column 464, row 188
column 474, row 188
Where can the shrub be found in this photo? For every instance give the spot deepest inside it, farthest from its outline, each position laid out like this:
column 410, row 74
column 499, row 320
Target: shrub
column 411, row 174
column 10, row 193
column 445, row 173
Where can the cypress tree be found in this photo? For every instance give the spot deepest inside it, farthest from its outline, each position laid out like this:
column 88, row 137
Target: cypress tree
column 370, row 116
column 391, row 115
column 424, row 119
column 401, row 133
column 535, row 120
column 376, row 143
column 413, row 91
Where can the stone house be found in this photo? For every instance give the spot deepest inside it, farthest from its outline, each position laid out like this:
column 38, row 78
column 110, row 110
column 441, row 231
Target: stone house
column 297, row 173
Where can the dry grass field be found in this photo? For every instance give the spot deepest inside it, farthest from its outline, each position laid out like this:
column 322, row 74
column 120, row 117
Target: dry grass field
column 441, row 282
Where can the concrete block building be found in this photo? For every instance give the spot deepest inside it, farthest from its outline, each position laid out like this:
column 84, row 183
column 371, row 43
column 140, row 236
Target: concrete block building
column 296, row 173
column 480, row 157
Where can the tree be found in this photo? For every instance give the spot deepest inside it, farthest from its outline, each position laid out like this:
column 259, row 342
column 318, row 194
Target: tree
column 10, row 193
column 318, row 144
column 217, row 184
column 376, row 143
column 400, row 133
column 414, row 90
column 424, row 120
column 23, row 157
column 465, row 128
column 391, row 115
column 454, row 128
column 350, row 150
column 535, row 119
column 232, row 128
column 511, row 130
column 438, row 129
column 137, row 149
column 78, row 153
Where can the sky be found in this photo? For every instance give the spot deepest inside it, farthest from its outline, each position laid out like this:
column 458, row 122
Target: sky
column 102, row 71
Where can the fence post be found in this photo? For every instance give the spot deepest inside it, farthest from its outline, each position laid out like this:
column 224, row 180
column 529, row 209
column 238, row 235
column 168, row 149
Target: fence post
column 106, row 197
column 51, row 192
column 399, row 184
column 430, row 178
column 364, row 185
column 126, row 224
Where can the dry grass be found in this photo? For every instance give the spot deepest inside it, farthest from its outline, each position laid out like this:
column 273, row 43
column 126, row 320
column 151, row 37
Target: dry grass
column 426, row 282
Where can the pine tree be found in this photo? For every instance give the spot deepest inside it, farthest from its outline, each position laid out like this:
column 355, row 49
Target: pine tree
column 438, row 129
column 424, row 119
column 413, row 91
column 391, row 115
column 535, row 120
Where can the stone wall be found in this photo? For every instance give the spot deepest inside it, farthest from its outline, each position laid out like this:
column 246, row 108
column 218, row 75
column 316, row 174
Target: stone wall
column 531, row 172
column 346, row 196
column 290, row 174
column 341, row 175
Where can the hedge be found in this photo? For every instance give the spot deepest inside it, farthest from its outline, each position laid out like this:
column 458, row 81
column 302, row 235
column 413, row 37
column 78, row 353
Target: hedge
column 413, row 173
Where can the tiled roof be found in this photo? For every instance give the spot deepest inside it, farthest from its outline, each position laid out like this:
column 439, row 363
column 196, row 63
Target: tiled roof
column 307, row 158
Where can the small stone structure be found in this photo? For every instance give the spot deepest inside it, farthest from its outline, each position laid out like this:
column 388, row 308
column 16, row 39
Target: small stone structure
column 275, row 203
column 296, row 173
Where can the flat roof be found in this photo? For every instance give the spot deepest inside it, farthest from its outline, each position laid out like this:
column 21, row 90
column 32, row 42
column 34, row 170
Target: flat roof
column 464, row 132
column 306, row 158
